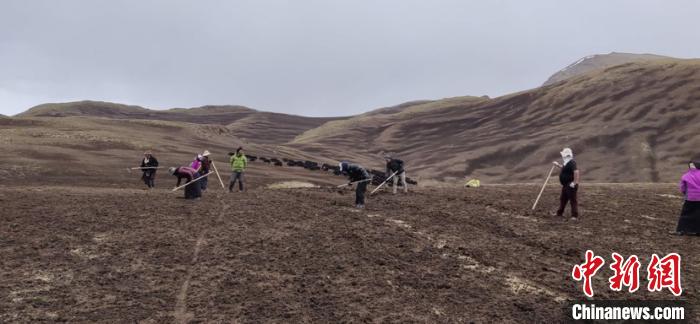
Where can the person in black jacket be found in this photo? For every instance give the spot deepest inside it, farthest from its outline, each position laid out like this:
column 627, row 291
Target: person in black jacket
column 356, row 173
column 149, row 165
column 569, row 178
column 396, row 166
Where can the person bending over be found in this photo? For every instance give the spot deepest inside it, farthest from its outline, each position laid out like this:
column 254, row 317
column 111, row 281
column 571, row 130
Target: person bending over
column 396, row 166
column 192, row 191
column 358, row 175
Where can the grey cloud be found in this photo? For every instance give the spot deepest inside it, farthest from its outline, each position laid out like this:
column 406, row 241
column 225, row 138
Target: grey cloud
column 320, row 58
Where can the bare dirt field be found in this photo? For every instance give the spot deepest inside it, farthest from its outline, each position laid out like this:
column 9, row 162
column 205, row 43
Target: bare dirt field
column 88, row 254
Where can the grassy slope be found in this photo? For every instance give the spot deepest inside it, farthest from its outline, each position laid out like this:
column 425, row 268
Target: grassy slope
column 632, row 122
column 249, row 124
column 96, row 151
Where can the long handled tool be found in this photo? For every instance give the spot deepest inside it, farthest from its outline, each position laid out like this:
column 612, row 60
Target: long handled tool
column 218, row 176
column 193, row 181
column 142, row 168
column 352, row 183
column 385, row 181
column 543, row 186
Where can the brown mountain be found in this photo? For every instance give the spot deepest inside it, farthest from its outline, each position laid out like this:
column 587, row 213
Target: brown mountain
column 635, row 122
column 92, row 142
column 92, row 151
column 600, row 61
column 246, row 123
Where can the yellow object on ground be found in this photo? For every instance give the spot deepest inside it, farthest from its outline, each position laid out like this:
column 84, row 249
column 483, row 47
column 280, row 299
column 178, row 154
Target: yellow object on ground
column 473, row 183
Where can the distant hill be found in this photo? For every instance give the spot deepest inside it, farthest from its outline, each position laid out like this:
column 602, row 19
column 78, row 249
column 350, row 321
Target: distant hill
column 366, row 127
column 635, row 122
column 247, row 123
column 86, row 108
column 631, row 122
column 600, row 61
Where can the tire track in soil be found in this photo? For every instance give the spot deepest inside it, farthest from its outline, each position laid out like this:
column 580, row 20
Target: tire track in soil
column 181, row 314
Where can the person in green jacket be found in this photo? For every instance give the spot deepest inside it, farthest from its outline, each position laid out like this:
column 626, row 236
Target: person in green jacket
column 238, row 164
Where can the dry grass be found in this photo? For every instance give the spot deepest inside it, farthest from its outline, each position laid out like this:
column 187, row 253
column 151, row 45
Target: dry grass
column 629, row 123
column 292, row 185
column 373, row 118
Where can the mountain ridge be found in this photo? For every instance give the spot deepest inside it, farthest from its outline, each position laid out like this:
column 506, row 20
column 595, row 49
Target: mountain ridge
column 279, row 127
column 632, row 122
column 644, row 110
column 600, row 61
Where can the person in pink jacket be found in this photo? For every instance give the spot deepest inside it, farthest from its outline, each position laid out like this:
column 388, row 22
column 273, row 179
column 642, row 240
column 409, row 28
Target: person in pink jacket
column 689, row 222
column 197, row 163
column 193, row 191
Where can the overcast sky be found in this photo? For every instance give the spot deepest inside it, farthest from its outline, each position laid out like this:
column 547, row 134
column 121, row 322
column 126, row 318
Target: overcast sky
column 315, row 57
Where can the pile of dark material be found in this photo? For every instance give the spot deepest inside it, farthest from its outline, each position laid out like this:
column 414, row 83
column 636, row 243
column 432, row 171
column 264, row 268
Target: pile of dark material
column 377, row 176
column 331, row 168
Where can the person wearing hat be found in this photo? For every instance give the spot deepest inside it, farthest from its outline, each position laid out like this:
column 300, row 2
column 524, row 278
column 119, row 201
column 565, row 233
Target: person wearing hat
column 204, row 169
column 396, row 166
column 569, row 178
column 192, row 191
column 238, row 164
column 356, row 173
column 148, row 167
column 689, row 222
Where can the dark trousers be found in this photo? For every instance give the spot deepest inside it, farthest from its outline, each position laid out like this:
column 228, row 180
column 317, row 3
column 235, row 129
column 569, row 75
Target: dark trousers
column 193, row 190
column 149, row 178
column 360, row 193
column 204, row 183
column 236, row 175
column 568, row 194
column 689, row 222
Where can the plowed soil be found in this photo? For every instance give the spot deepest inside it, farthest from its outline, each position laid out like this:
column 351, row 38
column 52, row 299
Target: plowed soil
column 85, row 254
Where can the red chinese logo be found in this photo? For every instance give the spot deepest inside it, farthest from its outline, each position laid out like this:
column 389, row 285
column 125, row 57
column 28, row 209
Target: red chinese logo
column 587, row 270
column 626, row 274
column 665, row 273
column 662, row 273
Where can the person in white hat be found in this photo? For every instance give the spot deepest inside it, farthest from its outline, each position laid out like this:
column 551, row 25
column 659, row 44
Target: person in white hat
column 569, row 178
column 205, row 168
